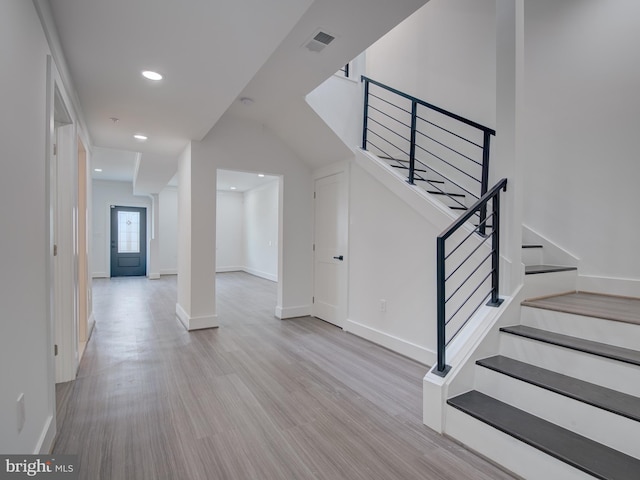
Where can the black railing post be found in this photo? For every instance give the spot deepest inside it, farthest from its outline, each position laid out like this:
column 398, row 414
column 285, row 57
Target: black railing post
column 412, row 147
column 484, row 181
column 441, row 368
column 365, row 117
column 495, row 249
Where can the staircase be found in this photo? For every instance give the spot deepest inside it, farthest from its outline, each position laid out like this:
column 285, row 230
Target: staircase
column 561, row 399
column 558, row 396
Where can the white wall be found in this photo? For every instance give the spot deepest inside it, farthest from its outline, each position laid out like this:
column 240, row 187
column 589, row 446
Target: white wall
column 230, row 243
column 339, row 102
column 236, row 144
column 105, row 194
column 391, row 258
column 261, row 230
column 24, row 339
column 444, row 54
column 247, row 231
column 168, row 231
column 582, row 102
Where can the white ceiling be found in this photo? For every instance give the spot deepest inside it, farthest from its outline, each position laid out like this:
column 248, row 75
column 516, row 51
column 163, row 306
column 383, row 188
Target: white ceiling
column 242, row 181
column 116, row 165
column 211, row 52
column 206, row 50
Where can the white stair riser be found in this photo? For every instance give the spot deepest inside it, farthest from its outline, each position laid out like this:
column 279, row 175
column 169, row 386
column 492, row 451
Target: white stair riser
column 543, row 284
column 512, row 454
column 604, row 427
column 620, row 334
column 602, row 371
column 532, row 256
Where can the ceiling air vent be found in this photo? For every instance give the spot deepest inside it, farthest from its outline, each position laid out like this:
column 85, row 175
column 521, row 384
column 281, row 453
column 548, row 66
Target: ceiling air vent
column 319, row 41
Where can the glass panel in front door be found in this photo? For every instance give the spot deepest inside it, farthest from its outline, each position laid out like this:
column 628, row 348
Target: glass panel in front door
column 128, row 232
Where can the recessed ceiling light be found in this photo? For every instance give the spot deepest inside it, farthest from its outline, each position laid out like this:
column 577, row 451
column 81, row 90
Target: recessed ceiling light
column 140, row 137
column 261, row 175
column 155, row 76
column 97, row 169
column 232, row 188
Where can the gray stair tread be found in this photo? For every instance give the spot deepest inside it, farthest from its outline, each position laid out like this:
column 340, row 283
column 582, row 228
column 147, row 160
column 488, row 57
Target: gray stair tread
column 589, row 393
column 435, row 192
column 580, row 452
column 626, row 355
column 534, row 269
column 609, row 307
column 420, row 179
column 402, row 167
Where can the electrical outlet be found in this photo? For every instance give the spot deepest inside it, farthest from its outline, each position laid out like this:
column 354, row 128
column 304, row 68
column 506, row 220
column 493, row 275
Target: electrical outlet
column 383, row 305
column 20, row 412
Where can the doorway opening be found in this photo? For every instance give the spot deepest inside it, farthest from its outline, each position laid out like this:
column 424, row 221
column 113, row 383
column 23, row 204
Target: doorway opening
column 249, row 225
column 128, row 241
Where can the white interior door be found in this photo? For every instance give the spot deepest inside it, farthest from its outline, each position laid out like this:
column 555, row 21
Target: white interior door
column 330, row 269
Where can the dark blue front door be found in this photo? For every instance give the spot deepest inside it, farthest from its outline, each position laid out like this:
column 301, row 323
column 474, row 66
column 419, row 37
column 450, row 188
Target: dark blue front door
column 128, row 241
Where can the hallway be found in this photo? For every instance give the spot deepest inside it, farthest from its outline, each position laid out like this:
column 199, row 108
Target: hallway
column 257, row 398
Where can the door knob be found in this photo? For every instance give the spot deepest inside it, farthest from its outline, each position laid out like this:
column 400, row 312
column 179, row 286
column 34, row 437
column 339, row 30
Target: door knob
column 340, row 257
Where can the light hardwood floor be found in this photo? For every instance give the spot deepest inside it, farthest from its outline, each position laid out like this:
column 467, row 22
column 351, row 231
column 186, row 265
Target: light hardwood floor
column 257, row 398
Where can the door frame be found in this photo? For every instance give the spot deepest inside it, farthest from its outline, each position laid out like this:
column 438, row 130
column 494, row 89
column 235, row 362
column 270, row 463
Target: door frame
column 142, row 229
column 62, row 275
column 107, row 237
column 334, row 169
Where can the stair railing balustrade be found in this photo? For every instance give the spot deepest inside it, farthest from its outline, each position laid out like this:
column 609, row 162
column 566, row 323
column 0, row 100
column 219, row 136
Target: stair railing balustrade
column 447, row 152
column 466, row 274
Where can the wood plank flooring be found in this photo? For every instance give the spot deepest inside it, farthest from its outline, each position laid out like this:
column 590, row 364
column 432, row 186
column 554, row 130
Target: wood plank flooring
column 257, row 398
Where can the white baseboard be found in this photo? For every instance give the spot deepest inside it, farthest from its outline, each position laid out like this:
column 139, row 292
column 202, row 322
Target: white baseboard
column 229, row 269
column 258, row 273
column 250, row 271
column 196, row 323
column 626, row 287
column 153, row 276
column 169, row 271
column 91, row 322
column 292, row 312
column 47, row 437
column 100, row 275
column 399, row 345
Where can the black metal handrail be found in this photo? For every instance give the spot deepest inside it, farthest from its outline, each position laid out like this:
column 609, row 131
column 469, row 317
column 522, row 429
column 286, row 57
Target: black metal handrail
column 447, row 273
column 402, row 133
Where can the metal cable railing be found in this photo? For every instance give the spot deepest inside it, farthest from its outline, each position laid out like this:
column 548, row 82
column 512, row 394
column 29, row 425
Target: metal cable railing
column 439, row 148
column 470, row 267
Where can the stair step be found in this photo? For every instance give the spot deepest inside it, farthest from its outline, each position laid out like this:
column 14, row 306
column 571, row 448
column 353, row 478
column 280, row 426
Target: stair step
column 535, row 269
column 435, row 192
column 458, row 208
column 580, row 452
column 530, row 245
column 605, row 398
column 608, row 307
column 620, row 354
column 440, row 182
column 402, row 167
